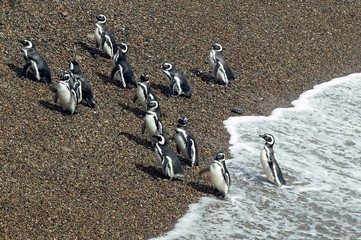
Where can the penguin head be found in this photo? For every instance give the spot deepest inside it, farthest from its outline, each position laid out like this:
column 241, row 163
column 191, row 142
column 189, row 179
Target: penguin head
column 74, row 66
column 152, row 105
column 144, row 77
column 220, row 156
column 182, row 121
column 217, row 47
column 65, row 76
column 270, row 140
column 27, row 44
column 123, row 47
column 161, row 140
column 167, row 67
column 101, row 18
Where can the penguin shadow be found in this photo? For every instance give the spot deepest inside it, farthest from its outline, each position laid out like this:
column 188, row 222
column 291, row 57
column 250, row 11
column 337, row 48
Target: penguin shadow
column 207, row 77
column 108, row 80
column 16, row 69
column 94, row 52
column 185, row 162
column 202, row 188
column 163, row 89
column 204, row 76
column 137, row 140
column 136, row 111
column 53, row 107
column 154, row 172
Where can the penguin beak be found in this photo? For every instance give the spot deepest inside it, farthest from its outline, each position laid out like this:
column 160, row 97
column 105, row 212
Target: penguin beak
column 262, row 136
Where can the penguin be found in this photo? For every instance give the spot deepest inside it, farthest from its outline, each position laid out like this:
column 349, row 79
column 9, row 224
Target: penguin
column 152, row 122
column 35, row 67
column 220, row 176
column 68, row 92
column 143, row 90
column 99, row 29
column 87, row 93
column 104, row 40
column 156, row 110
column 268, row 161
column 186, row 143
column 171, row 166
column 178, row 83
column 122, row 68
column 221, row 68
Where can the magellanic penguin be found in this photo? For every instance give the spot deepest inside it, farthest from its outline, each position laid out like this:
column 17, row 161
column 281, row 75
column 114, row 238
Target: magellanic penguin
column 68, row 92
column 156, row 110
column 221, row 68
column 35, row 67
column 268, row 161
column 122, row 70
column 220, row 176
column 186, row 143
column 171, row 166
column 152, row 122
column 104, row 40
column 143, row 90
column 87, row 93
column 178, row 83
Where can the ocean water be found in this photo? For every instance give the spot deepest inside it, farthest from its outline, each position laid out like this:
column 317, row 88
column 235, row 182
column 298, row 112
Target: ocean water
column 318, row 147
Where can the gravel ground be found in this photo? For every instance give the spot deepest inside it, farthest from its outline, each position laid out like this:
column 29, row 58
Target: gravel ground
column 92, row 175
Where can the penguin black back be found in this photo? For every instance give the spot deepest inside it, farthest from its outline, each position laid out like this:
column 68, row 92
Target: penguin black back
column 87, row 93
column 36, row 67
column 122, row 68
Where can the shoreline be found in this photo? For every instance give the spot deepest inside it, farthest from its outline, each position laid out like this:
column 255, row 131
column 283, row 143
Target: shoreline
column 92, row 175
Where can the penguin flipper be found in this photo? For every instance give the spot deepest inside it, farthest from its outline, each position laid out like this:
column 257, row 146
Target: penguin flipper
column 178, row 149
column 228, row 71
column 115, row 69
column 78, row 92
column 129, row 77
column 278, row 176
column 26, row 68
column 192, row 151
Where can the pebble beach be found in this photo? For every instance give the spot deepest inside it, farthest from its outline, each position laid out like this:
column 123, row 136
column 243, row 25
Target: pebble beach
column 93, row 175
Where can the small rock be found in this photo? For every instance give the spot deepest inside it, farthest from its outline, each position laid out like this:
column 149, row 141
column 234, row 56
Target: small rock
column 78, row 58
column 66, row 149
column 90, row 36
column 237, row 110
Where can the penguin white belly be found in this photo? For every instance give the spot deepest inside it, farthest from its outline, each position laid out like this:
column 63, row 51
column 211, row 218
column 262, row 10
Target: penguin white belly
column 141, row 97
column 33, row 70
column 181, row 144
column 119, row 76
column 221, row 74
column 98, row 37
column 108, row 47
column 266, row 169
column 217, row 178
column 151, row 125
column 65, row 98
column 167, row 167
column 212, row 58
column 158, row 153
column 176, row 86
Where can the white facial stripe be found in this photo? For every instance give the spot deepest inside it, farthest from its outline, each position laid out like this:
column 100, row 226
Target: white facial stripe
column 177, row 87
